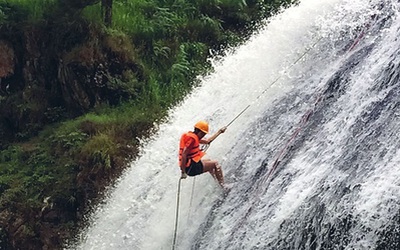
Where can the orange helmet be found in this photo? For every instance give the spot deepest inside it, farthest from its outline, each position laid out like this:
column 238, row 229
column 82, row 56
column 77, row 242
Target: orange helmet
column 202, row 126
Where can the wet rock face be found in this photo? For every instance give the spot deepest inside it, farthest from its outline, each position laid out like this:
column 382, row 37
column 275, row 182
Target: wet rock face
column 49, row 73
column 7, row 61
column 3, row 239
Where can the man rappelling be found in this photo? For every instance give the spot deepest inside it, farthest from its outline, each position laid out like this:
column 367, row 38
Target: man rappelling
column 190, row 154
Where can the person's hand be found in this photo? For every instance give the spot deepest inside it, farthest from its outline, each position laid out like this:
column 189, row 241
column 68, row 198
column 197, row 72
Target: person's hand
column 222, row 130
column 184, row 175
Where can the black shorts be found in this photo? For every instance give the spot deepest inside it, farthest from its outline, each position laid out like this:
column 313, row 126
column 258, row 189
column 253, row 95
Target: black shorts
column 195, row 168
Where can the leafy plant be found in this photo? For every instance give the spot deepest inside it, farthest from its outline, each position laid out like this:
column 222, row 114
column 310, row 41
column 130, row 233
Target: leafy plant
column 100, row 148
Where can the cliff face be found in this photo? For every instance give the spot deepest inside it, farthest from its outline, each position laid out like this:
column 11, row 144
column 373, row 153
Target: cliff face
column 7, row 63
column 50, row 72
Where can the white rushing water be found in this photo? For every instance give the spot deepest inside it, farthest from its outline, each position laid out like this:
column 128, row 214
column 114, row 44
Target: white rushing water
column 313, row 163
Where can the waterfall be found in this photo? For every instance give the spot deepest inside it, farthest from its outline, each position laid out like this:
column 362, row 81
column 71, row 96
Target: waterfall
column 312, row 164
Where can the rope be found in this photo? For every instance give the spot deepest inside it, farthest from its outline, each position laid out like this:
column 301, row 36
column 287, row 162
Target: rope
column 281, row 154
column 177, row 203
column 308, row 114
column 194, row 182
column 277, row 161
column 273, row 82
column 232, row 121
column 264, row 181
column 177, row 213
column 191, row 198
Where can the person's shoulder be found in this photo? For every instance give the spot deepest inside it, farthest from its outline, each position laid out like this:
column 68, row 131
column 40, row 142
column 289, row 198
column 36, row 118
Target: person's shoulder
column 190, row 139
column 187, row 136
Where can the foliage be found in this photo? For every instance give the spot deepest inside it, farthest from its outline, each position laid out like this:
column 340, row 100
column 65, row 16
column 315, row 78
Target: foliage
column 3, row 16
column 24, row 10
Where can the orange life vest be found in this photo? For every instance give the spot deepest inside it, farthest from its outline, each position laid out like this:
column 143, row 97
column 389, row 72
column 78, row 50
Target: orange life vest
column 193, row 152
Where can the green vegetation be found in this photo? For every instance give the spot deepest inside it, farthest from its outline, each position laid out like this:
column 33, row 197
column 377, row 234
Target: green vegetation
column 76, row 94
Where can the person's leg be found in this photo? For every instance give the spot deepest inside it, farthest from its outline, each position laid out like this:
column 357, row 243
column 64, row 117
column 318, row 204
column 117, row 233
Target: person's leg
column 195, row 168
column 210, row 167
column 214, row 169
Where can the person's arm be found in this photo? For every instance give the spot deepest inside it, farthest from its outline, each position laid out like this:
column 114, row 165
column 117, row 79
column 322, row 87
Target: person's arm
column 184, row 160
column 183, row 163
column 213, row 137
